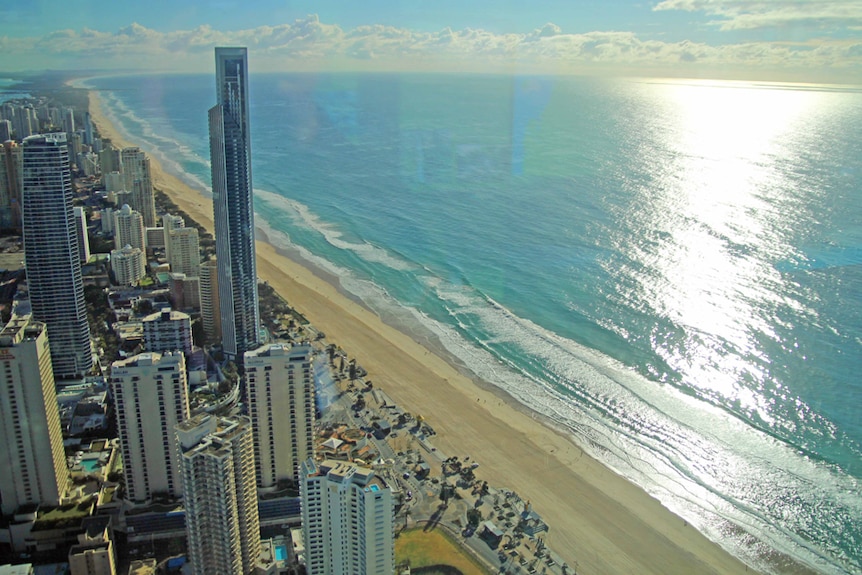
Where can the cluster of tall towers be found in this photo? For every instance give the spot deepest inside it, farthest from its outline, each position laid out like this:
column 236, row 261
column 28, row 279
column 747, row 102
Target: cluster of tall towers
column 216, row 464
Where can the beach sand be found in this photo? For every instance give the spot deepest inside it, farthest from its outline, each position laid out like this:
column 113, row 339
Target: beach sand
column 599, row 522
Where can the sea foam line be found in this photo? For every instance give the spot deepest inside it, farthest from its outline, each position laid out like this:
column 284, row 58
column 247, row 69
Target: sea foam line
column 649, row 446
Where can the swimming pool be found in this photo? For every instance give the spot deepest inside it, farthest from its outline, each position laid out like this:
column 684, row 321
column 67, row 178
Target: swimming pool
column 90, row 465
column 280, row 552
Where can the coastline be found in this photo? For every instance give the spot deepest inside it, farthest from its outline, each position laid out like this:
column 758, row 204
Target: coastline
column 598, row 521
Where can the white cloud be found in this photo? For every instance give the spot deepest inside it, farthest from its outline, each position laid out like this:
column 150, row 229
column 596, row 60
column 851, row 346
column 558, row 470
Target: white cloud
column 310, row 44
column 742, row 14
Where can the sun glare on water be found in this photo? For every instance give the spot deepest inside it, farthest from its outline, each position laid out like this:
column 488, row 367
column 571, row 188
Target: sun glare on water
column 712, row 207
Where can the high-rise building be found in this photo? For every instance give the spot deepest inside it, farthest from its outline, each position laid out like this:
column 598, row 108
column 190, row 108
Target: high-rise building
column 138, row 181
column 31, row 440
column 106, row 215
column 347, row 520
column 69, row 121
column 94, row 553
column 5, row 130
column 184, row 291
column 210, row 311
column 88, row 129
column 11, row 185
column 170, row 223
column 280, row 399
column 129, row 229
column 168, row 330
column 129, row 265
column 109, row 161
column 81, row 233
column 185, row 251
column 219, row 495
column 51, row 253
column 151, row 397
column 233, row 205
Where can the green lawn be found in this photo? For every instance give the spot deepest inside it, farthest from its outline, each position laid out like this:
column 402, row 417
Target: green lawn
column 423, row 548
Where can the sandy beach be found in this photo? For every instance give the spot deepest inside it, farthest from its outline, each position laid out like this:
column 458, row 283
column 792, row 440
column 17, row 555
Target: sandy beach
column 598, row 521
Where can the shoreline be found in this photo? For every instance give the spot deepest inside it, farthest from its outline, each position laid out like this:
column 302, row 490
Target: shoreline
column 598, row 520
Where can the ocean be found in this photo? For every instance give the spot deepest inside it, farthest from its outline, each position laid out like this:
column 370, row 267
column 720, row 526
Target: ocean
column 669, row 270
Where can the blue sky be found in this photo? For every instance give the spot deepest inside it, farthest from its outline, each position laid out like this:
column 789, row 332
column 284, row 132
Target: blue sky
column 801, row 40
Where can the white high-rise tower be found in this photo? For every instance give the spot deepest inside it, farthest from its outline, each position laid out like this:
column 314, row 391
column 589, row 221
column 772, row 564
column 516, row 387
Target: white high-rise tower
column 280, row 398
column 347, row 520
column 151, row 396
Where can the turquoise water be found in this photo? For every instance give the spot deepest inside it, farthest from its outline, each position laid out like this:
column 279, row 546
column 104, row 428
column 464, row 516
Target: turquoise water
column 90, row 465
column 280, row 553
column 672, row 271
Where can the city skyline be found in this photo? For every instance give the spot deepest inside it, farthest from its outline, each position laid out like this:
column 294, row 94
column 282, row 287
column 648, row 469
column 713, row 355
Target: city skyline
column 817, row 41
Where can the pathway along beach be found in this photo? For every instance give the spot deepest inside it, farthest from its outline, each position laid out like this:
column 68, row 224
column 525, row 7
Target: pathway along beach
column 599, row 522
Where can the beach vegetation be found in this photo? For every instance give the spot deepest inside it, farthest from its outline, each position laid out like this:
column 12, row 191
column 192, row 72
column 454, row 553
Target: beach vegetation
column 421, row 549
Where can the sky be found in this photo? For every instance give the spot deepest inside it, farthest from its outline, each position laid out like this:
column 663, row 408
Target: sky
column 770, row 40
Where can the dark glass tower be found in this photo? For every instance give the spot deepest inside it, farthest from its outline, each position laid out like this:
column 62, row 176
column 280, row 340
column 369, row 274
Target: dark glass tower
column 233, row 205
column 51, row 254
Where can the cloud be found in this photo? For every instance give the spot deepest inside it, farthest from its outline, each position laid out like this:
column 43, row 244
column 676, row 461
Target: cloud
column 309, row 44
column 747, row 15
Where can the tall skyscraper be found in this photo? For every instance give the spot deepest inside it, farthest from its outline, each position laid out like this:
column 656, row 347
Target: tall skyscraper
column 219, row 495
column 51, row 253
column 31, row 441
column 280, row 399
column 347, row 520
column 139, row 183
column 233, row 205
column 151, row 397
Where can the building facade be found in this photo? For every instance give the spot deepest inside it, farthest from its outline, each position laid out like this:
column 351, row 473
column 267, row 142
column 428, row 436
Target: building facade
column 280, row 399
column 81, row 233
column 11, row 185
column 347, row 520
column 220, row 497
column 151, row 398
column 185, row 251
column 139, row 182
column 31, row 440
column 170, row 223
column 210, row 310
column 129, row 265
column 168, row 330
column 233, row 205
column 52, row 258
column 129, row 229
